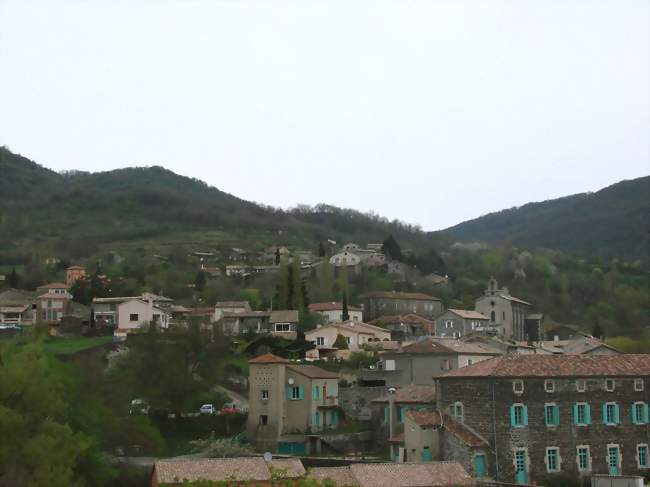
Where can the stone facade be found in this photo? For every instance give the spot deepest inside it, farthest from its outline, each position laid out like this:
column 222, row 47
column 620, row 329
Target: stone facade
column 487, row 405
column 378, row 304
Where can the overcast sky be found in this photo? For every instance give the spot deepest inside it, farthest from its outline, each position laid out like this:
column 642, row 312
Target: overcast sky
column 432, row 112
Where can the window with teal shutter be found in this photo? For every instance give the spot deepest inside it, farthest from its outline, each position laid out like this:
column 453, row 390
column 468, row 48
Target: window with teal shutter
column 518, row 415
column 317, row 418
column 334, row 418
column 581, row 414
column 611, row 414
column 639, row 413
column 551, row 415
column 316, row 393
column 402, row 412
column 587, row 414
column 525, row 415
column 617, row 415
column 289, row 390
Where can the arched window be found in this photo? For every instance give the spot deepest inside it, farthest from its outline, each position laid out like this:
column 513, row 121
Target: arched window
column 493, row 316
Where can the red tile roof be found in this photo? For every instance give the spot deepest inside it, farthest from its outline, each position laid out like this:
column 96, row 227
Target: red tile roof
column 313, row 372
column 436, row 474
column 400, row 295
column 410, row 318
column 268, row 358
column 461, row 432
column 341, row 476
column 448, row 346
column 425, row 418
column 55, row 285
column 557, row 366
column 468, row 314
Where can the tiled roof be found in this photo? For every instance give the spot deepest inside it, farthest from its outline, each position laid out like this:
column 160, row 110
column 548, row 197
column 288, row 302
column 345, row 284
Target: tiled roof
column 436, row 474
column 461, row 432
column 268, row 358
column 55, row 285
column 341, row 476
column 217, row 469
column 512, row 298
column 557, row 366
column 313, row 372
column 284, row 316
column 232, row 304
column 410, row 318
column 399, row 295
column 448, row 346
column 468, row 314
column 412, row 394
column 246, row 314
column 333, row 306
column 398, row 438
column 425, row 418
column 76, row 268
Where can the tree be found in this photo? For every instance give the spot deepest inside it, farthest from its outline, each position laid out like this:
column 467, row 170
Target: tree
column 326, row 281
column 200, row 281
column 341, row 342
column 13, row 278
column 345, row 315
column 277, row 256
column 44, row 450
column 391, row 249
column 597, row 331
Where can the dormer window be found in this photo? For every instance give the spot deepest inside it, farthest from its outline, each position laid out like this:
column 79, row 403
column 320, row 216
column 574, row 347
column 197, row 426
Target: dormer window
column 609, row 385
column 638, row 385
column 581, row 385
column 518, row 386
column 549, row 386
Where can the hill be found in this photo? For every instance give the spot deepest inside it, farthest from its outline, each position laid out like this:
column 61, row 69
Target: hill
column 612, row 222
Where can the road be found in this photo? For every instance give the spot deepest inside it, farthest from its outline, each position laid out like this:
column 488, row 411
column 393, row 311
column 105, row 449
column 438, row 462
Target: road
column 238, row 399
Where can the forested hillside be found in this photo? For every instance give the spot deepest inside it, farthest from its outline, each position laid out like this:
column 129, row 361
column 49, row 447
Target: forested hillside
column 612, row 222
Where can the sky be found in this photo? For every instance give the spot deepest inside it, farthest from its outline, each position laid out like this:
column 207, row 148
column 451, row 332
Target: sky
column 432, row 112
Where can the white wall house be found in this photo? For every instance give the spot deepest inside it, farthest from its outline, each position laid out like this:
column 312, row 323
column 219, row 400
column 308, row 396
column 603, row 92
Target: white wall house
column 356, row 334
column 345, row 259
column 135, row 313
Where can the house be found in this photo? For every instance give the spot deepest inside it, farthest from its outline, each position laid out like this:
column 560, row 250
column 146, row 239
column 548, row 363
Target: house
column 377, row 247
column 549, row 416
column 345, row 259
column 459, row 322
column 356, row 334
column 437, row 474
column 405, row 327
column 579, row 345
column 212, row 272
column 284, row 323
column 333, row 311
column 17, row 307
column 563, row 332
column 504, row 346
column 290, row 405
column 381, row 303
column 270, row 253
column 237, row 270
column 105, row 310
column 54, row 303
column 134, row 313
column 507, row 314
column 388, row 412
column 350, row 247
column 73, row 273
column 420, row 362
column 239, row 323
column 231, row 306
column 304, row 256
column 233, row 471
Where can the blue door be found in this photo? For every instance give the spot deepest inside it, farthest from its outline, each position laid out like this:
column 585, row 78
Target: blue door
column 426, row 454
column 613, row 460
column 520, row 464
column 480, row 465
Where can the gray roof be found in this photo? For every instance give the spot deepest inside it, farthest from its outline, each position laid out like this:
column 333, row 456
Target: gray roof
column 284, row 316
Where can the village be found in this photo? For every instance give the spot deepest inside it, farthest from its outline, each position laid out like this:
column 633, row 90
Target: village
column 395, row 387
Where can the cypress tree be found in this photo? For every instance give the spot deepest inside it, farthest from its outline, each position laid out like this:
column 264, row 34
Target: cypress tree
column 345, row 316
column 13, row 278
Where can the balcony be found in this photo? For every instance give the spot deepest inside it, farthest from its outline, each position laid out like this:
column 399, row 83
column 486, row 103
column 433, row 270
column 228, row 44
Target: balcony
column 327, row 402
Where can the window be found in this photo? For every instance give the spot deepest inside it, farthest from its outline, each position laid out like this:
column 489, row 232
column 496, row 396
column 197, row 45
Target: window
column 581, row 385
column 389, row 364
column 518, row 415
column 640, row 413
column 316, row 393
column 551, row 414
column 295, row 393
column 518, row 386
column 445, row 364
column 609, row 385
column 470, row 361
column 611, row 413
column 347, row 339
column 493, row 316
column 584, row 458
column 282, row 327
column 549, row 386
column 133, row 317
column 456, row 334
column 449, row 324
column 456, row 411
column 642, row 456
column 553, row 459
column 638, row 384
column 581, row 414
column 264, row 419
column 320, row 341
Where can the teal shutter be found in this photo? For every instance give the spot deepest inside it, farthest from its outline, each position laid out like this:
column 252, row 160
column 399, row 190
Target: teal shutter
column 334, row 418
column 316, row 418
column 316, row 393
column 587, row 414
column 604, row 413
column 635, row 420
column 556, row 415
column 617, row 416
column 301, row 392
column 402, row 411
column 575, row 414
column 386, row 415
column 645, row 413
column 288, row 393
column 525, row 415
column 512, row 415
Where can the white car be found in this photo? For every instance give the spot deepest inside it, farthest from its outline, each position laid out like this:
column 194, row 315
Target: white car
column 208, row 409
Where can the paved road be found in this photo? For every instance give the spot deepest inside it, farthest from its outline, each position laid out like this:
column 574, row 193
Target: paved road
column 237, row 398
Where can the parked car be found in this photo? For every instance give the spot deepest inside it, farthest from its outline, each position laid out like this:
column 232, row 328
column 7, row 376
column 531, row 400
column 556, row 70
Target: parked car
column 208, row 409
column 230, row 408
column 139, row 406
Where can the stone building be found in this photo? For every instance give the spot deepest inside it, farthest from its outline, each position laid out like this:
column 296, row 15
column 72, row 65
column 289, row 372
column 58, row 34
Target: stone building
column 554, row 416
column 405, row 327
column 290, row 405
column 457, row 323
column 381, row 303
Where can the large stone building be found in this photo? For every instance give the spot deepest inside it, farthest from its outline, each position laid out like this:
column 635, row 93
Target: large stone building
column 549, row 416
column 290, row 404
column 460, row 322
column 509, row 317
column 381, row 303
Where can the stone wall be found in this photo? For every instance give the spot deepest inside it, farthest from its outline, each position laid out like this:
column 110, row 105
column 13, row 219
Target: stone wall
column 356, row 401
